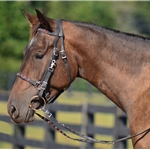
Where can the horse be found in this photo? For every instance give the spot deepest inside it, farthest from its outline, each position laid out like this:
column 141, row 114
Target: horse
column 116, row 63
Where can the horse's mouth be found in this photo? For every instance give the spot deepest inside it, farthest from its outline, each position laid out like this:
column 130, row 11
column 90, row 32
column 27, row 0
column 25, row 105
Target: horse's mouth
column 30, row 116
column 35, row 104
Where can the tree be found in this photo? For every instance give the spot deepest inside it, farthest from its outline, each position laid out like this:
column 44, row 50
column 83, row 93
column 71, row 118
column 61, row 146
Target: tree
column 14, row 29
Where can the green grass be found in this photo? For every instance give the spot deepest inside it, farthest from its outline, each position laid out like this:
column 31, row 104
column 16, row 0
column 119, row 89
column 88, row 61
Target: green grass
column 77, row 98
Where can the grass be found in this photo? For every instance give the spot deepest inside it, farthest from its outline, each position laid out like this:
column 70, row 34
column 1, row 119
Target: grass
column 75, row 98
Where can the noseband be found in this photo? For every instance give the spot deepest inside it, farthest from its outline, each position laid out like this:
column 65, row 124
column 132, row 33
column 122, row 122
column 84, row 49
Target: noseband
column 42, row 84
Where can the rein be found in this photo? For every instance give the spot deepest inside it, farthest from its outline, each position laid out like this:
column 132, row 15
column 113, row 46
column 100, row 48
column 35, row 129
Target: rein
column 83, row 138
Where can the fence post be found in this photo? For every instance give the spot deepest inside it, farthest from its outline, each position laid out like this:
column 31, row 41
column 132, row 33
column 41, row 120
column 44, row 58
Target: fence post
column 121, row 120
column 19, row 132
column 116, row 132
column 90, row 118
column 84, row 122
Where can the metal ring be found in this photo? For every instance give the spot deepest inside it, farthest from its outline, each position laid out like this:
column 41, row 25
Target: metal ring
column 34, row 97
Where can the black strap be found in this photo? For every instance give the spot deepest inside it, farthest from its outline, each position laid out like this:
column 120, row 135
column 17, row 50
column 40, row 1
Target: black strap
column 63, row 55
column 68, row 69
column 54, row 58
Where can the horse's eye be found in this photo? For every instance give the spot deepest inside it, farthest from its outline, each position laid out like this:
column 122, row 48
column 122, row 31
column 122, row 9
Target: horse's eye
column 39, row 56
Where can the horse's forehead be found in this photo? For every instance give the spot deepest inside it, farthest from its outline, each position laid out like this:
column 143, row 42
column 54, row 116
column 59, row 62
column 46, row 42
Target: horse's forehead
column 36, row 39
column 33, row 40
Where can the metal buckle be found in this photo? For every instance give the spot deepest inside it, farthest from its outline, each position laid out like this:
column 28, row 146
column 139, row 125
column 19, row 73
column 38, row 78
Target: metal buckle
column 63, row 55
column 52, row 66
column 43, row 85
column 46, row 111
column 38, row 85
column 55, row 51
column 47, row 96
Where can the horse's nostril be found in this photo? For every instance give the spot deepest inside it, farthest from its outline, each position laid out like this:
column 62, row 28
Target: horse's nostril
column 13, row 112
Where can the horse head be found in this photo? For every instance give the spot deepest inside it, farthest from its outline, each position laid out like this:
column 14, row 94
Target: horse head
column 46, row 69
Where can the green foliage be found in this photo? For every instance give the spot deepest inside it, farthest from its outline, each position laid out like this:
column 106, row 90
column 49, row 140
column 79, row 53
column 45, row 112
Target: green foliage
column 90, row 11
column 141, row 17
column 14, row 28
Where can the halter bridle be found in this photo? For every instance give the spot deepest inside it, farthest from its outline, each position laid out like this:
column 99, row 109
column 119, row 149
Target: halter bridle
column 41, row 85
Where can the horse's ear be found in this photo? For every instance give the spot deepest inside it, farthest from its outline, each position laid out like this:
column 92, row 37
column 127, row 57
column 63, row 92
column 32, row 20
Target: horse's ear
column 31, row 18
column 43, row 20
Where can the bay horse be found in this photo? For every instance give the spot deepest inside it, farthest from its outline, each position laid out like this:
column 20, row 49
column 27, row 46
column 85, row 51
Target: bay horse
column 116, row 63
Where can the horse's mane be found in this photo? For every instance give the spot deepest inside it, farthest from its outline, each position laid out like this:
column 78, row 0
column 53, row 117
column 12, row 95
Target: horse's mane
column 34, row 29
column 94, row 26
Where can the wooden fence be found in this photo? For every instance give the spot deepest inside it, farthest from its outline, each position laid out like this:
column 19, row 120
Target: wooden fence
column 120, row 129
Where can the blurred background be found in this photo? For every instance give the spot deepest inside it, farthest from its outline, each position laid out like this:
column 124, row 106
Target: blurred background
column 94, row 115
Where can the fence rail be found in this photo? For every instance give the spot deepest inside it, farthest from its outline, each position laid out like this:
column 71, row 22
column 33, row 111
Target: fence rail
column 87, row 127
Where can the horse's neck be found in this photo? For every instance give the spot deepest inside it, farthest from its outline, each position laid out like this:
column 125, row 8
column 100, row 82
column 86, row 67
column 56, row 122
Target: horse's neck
column 111, row 62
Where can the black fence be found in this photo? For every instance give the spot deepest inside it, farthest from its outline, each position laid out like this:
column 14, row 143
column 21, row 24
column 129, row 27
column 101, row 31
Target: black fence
column 87, row 127
column 19, row 140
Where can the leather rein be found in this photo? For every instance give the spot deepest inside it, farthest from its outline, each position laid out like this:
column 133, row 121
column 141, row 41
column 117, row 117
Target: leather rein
column 45, row 95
